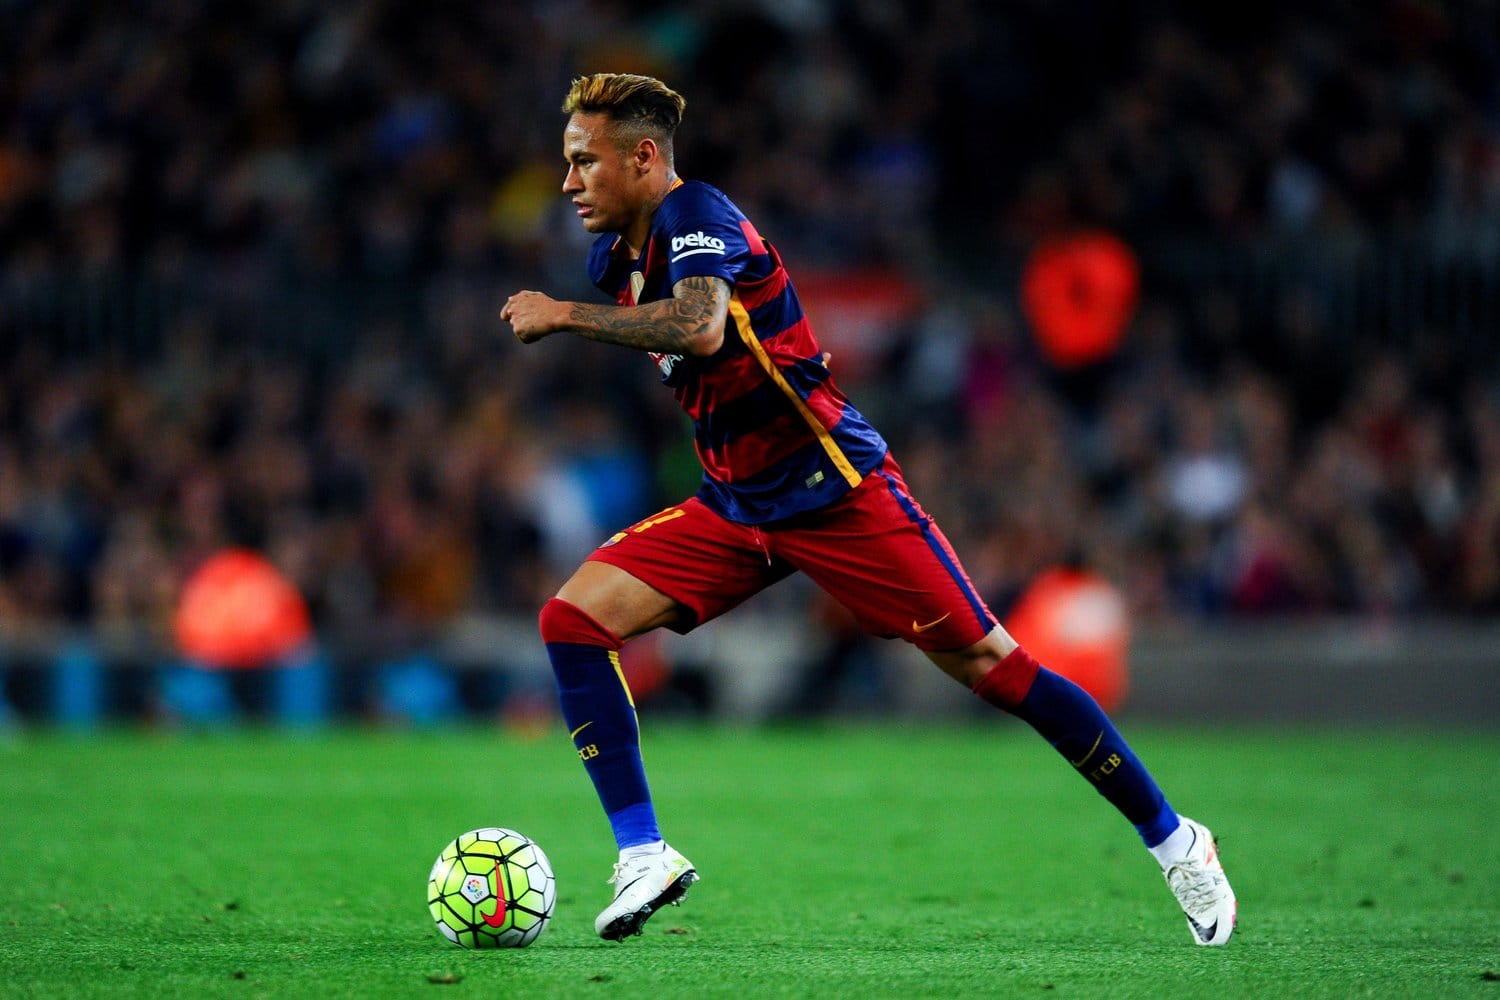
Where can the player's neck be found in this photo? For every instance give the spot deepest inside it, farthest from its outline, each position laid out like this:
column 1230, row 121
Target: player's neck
column 635, row 235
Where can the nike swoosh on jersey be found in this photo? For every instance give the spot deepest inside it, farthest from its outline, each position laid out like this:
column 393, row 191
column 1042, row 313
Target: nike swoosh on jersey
column 919, row 629
column 574, row 733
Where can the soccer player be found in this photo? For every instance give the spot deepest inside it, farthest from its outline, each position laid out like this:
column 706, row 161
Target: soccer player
column 794, row 479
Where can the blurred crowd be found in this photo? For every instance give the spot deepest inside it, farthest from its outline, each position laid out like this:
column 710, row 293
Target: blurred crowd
column 428, row 467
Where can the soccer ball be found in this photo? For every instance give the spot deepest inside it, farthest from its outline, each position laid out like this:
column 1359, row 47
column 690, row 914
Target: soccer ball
column 491, row 888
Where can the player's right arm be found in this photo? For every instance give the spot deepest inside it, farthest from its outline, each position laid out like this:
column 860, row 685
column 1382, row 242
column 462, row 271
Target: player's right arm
column 690, row 323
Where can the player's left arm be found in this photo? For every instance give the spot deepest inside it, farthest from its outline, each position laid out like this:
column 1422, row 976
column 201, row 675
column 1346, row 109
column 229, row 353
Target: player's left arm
column 691, row 322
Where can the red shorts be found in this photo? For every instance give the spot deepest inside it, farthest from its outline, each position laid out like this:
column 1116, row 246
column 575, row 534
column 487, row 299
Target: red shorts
column 875, row 550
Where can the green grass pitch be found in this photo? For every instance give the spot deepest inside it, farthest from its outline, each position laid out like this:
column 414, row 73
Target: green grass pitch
column 837, row 862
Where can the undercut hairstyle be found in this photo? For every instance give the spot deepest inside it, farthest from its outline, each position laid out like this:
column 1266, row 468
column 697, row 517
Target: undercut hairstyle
column 635, row 106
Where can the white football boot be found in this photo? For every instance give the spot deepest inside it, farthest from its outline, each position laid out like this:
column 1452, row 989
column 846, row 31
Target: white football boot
column 1198, row 882
column 644, row 885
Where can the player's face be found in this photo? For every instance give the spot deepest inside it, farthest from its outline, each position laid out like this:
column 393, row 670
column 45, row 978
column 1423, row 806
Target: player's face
column 602, row 180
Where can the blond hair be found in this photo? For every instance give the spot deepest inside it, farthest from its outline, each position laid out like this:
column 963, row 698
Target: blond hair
column 635, row 105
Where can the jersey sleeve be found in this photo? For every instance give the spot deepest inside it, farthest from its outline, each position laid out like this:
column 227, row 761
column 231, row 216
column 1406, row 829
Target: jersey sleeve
column 703, row 235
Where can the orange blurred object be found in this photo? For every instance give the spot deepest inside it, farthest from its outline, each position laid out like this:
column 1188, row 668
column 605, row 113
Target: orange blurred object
column 1080, row 293
column 1075, row 623
column 237, row 611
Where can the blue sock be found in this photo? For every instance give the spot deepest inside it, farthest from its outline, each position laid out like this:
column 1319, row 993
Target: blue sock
column 600, row 715
column 1070, row 719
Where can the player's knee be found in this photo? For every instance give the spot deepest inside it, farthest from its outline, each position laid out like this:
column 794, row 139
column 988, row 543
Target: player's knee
column 973, row 663
column 561, row 621
column 1008, row 682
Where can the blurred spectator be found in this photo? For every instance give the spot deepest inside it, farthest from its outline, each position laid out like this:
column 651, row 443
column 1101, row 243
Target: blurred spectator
column 299, row 221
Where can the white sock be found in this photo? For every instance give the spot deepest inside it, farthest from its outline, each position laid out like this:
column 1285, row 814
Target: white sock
column 1175, row 847
column 641, row 850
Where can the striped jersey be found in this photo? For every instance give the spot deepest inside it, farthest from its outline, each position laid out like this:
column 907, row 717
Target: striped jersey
column 775, row 436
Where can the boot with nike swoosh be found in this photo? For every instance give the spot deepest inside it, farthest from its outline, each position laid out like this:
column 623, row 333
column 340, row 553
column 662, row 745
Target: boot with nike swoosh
column 644, row 885
column 1201, row 888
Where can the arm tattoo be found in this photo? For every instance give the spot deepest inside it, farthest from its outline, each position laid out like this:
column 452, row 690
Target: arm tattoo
column 695, row 312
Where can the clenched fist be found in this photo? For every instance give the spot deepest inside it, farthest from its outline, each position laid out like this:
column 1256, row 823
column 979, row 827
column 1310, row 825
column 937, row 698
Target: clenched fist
column 534, row 315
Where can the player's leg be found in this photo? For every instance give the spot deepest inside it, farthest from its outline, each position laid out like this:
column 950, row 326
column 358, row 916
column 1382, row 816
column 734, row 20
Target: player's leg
column 1004, row 674
column 678, row 568
column 882, row 556
column 584, row 627
column 904, row 579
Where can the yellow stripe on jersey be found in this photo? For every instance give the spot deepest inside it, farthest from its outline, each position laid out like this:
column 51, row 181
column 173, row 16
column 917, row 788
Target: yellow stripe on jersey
column 747, row 335
column 614, row 659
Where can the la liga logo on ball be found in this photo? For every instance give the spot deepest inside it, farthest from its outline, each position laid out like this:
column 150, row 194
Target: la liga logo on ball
column 491, row 888
column 475, row 889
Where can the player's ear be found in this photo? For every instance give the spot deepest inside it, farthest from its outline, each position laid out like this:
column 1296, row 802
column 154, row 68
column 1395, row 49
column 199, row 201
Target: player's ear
column 646, row 154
